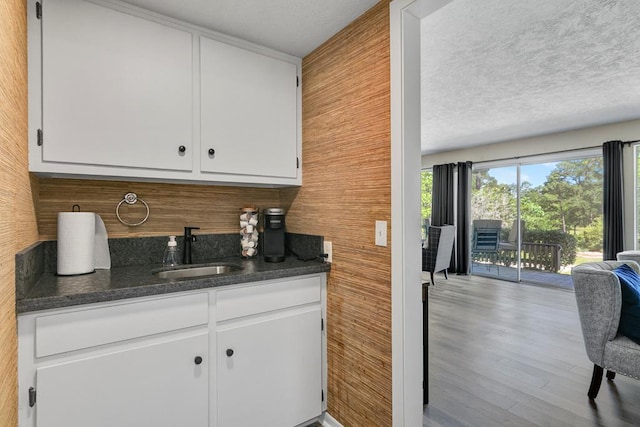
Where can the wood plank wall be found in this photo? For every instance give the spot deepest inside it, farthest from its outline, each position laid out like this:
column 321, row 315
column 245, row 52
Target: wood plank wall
column 215, row 209
column 346, row 187
column 18, row 228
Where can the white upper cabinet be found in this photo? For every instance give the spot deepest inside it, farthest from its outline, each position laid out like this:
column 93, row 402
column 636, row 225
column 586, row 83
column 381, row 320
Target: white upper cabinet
column 116, row 89
column 119, row 92
column 248, row 112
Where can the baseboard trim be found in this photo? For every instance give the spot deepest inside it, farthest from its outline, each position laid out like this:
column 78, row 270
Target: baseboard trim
column 328, row 421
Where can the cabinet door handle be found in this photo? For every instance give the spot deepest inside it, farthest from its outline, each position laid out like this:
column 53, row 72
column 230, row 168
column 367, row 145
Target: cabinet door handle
column 229, row 352
column 182, row 149
column 212, row 151
column 198, row 360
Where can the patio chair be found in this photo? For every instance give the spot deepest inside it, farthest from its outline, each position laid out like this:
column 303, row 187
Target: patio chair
column 512, row 241
column 437, row 256
column 599, row 299
column 485, row 238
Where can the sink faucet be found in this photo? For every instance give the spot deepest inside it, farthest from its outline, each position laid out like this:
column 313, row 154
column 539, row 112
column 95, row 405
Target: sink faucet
column 188, row 238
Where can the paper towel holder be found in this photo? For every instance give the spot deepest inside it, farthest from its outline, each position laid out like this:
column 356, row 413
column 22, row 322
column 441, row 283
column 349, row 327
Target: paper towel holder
column 131, row 199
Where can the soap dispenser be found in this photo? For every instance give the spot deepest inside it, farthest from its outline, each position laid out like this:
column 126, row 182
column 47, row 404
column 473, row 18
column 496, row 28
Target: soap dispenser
column 171, row 256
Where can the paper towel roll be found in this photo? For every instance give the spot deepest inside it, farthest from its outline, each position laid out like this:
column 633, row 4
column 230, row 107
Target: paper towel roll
column 102, row 255
column 76, row 242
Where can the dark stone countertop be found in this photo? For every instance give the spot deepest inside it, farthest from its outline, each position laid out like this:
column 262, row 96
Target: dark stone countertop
column 53, row 291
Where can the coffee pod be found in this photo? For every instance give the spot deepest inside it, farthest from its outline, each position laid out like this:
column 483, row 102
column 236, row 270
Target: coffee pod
column 247, row 244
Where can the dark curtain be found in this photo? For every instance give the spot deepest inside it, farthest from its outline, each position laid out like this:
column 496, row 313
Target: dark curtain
column 463, row 218
column 442, row 199
column 442, row 195
column 613, row 230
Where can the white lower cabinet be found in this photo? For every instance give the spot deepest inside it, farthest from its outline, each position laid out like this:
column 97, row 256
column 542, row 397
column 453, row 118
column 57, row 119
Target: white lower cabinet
column 269, row 351
column 141, row 362
column 270, row 365
column 245, row 355
column 161, row 384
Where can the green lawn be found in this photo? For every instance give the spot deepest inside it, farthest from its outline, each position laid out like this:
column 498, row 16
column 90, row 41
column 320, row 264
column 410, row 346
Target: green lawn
column 581, row 259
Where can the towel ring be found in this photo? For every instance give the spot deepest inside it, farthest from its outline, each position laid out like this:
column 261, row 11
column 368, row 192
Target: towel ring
column 131, row 199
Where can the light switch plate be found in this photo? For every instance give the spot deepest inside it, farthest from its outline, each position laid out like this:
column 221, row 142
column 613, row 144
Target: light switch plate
column 328, row 249
column 381, row 233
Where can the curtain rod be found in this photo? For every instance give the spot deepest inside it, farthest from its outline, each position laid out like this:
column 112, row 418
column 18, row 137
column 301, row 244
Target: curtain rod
column 552, row 152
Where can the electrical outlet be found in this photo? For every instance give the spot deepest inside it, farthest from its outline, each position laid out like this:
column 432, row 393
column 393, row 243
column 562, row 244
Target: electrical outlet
column 381, row 233
column 328, row 249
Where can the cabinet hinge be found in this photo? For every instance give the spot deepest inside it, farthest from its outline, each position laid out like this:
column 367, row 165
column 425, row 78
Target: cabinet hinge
column 38, row 10
column 297, row 81
column 32, row 397
column 39, row 137
column 322, row 324
column 322, row 395
column 297, row 162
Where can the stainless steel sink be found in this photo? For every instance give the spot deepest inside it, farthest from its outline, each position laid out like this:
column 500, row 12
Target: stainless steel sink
column 207, row 270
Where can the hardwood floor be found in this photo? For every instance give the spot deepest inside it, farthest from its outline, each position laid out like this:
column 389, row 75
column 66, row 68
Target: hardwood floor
column 507, row 354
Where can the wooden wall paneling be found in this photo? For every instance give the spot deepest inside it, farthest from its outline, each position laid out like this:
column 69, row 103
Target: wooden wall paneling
column 346, row 188
column 215, row 209
column 8, row 334
column 17, row 201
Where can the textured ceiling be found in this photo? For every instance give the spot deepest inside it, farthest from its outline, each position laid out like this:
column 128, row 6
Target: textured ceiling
column 495, row 70
column 291, row 26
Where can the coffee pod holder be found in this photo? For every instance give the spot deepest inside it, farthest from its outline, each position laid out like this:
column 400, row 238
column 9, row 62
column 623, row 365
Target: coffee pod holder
column 249, row 231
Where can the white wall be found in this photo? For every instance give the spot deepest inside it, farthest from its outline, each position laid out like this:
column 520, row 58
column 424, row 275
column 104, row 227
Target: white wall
column 581, row 138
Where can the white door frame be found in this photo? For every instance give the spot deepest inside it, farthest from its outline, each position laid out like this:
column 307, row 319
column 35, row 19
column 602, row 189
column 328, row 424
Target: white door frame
column 406, row 262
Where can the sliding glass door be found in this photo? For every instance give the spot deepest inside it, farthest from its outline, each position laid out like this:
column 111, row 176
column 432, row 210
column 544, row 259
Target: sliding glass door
column 494, row 209
column 426, row 187
column 546, row 217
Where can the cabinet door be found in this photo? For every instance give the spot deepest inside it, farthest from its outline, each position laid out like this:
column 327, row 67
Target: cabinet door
column 117, row 89
column 269, row 370
column 153, row 385
column 248, row 112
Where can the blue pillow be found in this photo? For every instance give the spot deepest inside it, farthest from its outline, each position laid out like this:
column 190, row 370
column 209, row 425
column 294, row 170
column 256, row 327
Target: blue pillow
column 630, row 315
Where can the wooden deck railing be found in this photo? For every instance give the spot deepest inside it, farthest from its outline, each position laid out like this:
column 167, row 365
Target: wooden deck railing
column 534, row 256
column 541, row 256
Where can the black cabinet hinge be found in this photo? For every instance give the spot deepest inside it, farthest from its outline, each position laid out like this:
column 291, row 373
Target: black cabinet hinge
column 38, row 10
column 322, row 324
column 322, row 395
column 297, row 162
column 297, row 81
column 32, row 397
column 39, row 138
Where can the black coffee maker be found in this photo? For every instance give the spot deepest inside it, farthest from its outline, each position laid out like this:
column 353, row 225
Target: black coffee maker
column 273, row 235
